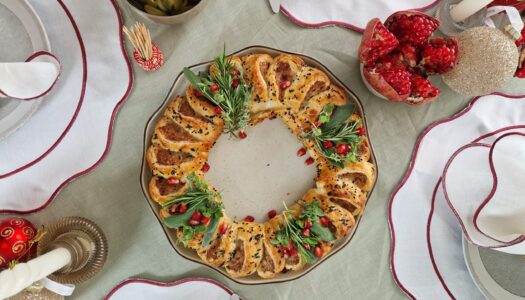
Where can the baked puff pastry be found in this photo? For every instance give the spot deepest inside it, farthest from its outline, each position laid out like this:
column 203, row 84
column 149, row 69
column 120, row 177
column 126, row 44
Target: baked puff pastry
column 216, row 252
column 180, row 111
column 341, row 221
column 281, row 73
column 308, row 83
column 246, row 249
column 161, row 190
column 255, row 68
column 273, row 261
column 166, row 162
column 175, row 137
column 312, row 109
column 203, row 107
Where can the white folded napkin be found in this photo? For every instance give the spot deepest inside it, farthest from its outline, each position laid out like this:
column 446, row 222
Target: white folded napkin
column 484, row 186
column 354, row 14
column 31, row 79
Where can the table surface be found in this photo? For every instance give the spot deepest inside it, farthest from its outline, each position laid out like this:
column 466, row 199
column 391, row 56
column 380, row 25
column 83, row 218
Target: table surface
column 111, row 195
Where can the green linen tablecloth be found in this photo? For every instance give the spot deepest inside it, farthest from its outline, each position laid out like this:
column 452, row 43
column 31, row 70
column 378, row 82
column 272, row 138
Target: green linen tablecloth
column 111, row 195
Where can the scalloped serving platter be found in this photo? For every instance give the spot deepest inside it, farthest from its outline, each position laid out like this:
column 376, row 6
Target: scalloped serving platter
column 254, row 175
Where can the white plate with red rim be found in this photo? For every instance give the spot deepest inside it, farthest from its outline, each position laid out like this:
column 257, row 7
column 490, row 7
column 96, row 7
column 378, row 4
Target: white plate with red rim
column 22, row 34
column 188, row 288
column 273, row 162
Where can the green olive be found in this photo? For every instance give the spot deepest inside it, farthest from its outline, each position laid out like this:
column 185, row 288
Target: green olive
column 154, row 11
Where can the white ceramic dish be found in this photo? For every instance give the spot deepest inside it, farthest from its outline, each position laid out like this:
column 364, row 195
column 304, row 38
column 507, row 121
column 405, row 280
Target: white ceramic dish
column 17, row 16
column 170, row 20
column 485, row 276
column 254, row 175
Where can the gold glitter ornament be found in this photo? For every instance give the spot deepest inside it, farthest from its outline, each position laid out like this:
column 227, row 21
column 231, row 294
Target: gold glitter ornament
column 487, row 60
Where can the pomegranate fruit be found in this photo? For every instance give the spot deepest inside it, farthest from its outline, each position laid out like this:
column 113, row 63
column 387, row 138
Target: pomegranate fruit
column 398, row 56
column 412, row 27
column 377, row 41
column 439, row 55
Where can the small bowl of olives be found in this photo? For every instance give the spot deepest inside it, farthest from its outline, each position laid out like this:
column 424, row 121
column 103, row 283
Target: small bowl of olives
column 167, row 11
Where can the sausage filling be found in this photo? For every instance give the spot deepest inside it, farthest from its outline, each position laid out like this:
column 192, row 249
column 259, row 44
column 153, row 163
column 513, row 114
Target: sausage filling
column 237, row 259
column 167, row 189
column 175, row 133
column 169, row 158
column 267, row 264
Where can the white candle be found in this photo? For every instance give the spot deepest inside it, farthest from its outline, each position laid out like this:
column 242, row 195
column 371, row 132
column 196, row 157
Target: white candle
column 24, row 274
column 467, row 8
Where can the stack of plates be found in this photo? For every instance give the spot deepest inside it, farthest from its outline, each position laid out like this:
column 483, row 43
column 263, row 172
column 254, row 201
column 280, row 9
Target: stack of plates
column 22, row 34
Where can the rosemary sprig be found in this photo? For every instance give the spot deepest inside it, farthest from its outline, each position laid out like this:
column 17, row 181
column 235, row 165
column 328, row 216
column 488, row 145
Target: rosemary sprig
column 292, row 234
column 199, row 198
column 334, row 129
column 226, row 89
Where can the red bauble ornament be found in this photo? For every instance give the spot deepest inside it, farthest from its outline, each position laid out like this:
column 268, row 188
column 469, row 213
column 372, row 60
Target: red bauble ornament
column 15, row 235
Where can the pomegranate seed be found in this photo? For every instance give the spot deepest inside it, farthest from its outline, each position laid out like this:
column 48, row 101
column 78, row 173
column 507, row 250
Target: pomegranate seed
column 324, row 221
column 376, row 43
column 205, row 220
column 309, row 161
column 439, row 55
column 328, row 144
column 521, row 73
column 308, row 224
column 214, row 87
column 285, row 84
column 318, row 252
column 183, row 207
column 235, row 83
column 194, row 222
column 249, row 219
column 197, row 93
column 223, row 228
column 196, row 216
column 272, row 213
column 318, row 124
column 361, row 131
column 307, row 247
column 414, row 28
column 173, row 181
column 205, row 168
column 301, row 152
column 399, row 79
column 305, row 232
column 218, row 110
column 342, row 149
column 293, row 251
column 242, row 135
column 174, row 208
column 285, row 270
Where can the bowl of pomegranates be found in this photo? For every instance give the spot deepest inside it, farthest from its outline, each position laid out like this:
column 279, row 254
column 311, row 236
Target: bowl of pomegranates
column 398, row 56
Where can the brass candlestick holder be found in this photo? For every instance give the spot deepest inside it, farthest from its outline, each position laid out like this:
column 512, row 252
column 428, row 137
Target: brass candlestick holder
column 85, row 241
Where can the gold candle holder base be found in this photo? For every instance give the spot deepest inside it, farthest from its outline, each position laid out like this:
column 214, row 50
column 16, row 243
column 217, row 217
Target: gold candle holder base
column 85, row 241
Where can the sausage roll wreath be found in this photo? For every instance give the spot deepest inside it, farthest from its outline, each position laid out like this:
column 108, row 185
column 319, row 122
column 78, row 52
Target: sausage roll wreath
column 236, row 93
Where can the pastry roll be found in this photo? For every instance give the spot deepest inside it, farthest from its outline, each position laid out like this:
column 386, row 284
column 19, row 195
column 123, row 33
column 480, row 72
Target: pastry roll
column 341, row 221
column 246, row 249
column 255, row 69
column 174, row 137
column 216, row 252
column 272, row 262
column 180, row 111
column 281, row 73
column 161, row 190
column 166, row 162
column 236, row 67
column 296, row 262
column 310, row 113
column 203, row 107
column 194, row 243
column 308, row 83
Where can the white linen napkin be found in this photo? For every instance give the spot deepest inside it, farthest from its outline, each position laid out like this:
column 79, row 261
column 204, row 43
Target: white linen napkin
column 484, row 187
column 31, row 79
column 353, row 14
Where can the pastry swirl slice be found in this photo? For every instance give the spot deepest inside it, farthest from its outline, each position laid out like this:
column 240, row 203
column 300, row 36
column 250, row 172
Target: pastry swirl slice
column 162, row 190
column 295, row 262
column 308, row 83
column 246, row 249
column 341, row 221
column 203, row 107
column 175, row 137
column 166, row 162
column 312, row 109
column 281, row 73
column 255, row 69
column 215, row 253
column 273, row 261
column 202, row 129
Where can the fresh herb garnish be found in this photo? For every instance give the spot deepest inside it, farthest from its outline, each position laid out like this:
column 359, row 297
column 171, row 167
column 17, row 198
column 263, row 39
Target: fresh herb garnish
column 227, row 89
column 335, row 136
column 199, row 197
column 297, row 234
